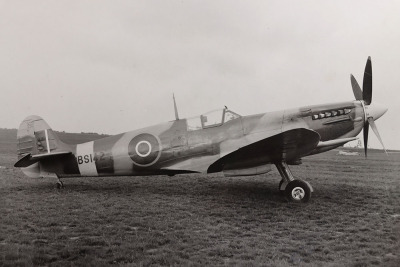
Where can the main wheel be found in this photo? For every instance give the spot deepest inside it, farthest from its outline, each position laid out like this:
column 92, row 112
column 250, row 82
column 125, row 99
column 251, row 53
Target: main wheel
column 298, row 191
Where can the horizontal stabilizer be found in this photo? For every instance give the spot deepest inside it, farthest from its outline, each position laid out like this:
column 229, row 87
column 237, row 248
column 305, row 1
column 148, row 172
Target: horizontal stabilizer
column 28, row 159
column 53, row 154
column 336, row 142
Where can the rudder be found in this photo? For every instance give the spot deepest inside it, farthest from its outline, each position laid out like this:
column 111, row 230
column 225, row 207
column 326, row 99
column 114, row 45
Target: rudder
column 35, row 137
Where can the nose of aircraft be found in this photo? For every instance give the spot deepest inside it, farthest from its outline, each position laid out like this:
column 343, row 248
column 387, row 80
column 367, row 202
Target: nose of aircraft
column 375, row 110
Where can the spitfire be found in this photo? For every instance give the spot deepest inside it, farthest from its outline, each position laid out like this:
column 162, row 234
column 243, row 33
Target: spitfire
column 217, row 141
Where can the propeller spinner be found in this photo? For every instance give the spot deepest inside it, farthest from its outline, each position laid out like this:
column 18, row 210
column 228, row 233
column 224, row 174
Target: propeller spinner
column 372, row 111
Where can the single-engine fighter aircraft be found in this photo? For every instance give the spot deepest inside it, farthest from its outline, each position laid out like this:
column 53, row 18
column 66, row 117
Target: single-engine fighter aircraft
column 218, row 141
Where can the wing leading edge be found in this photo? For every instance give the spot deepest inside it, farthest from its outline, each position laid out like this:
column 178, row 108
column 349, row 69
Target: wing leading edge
column 285, row 146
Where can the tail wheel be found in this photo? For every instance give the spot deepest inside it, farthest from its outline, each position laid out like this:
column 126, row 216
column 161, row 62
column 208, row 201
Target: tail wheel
column 298, row 191
column 59, row 185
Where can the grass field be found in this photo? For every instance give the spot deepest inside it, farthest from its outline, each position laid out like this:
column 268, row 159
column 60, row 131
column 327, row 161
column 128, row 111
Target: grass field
column 353, row 218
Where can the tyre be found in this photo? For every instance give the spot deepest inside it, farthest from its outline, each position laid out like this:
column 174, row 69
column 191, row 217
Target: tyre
column 60, row 185
column 298, row 191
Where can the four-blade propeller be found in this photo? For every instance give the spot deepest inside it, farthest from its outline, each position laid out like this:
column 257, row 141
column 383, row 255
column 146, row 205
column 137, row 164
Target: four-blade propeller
column 372, row 111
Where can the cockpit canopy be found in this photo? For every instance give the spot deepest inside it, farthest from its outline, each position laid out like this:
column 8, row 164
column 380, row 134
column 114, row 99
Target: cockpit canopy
column 211, row 119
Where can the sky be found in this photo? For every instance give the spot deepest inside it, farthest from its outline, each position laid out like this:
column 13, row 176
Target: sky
column 112, row 66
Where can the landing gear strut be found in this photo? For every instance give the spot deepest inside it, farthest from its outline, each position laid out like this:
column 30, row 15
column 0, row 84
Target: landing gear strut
column 295, row 190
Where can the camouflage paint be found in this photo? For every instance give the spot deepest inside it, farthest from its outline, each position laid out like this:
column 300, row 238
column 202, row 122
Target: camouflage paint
column 247, row 142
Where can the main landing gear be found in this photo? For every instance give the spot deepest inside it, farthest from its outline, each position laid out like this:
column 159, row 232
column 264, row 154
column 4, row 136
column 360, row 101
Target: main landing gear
column 295, row 190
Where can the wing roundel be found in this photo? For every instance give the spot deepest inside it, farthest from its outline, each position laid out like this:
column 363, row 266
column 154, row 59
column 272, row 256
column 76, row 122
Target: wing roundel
column 144, row 150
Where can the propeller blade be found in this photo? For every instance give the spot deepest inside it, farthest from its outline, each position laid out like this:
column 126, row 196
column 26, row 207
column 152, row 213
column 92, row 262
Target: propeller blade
column 366, row 129
column 367, row 82
column 375, row 129
column 358, row 94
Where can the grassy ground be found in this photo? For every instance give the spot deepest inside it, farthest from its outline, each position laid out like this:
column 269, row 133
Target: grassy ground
column 353, row 218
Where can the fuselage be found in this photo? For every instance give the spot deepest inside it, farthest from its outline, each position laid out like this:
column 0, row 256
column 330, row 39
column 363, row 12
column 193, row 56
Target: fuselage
column 193, row 144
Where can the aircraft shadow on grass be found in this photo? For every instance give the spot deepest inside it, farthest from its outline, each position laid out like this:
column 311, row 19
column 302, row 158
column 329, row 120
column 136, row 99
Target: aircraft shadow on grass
column 227, row 191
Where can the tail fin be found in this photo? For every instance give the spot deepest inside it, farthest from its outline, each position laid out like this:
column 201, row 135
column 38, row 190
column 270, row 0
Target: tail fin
column 37, row 140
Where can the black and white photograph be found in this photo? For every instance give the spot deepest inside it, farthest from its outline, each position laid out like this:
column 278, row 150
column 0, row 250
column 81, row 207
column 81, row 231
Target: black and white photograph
column 199, row 133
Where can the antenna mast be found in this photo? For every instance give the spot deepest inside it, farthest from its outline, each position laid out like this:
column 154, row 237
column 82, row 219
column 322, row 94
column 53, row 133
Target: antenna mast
column 176, row 109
